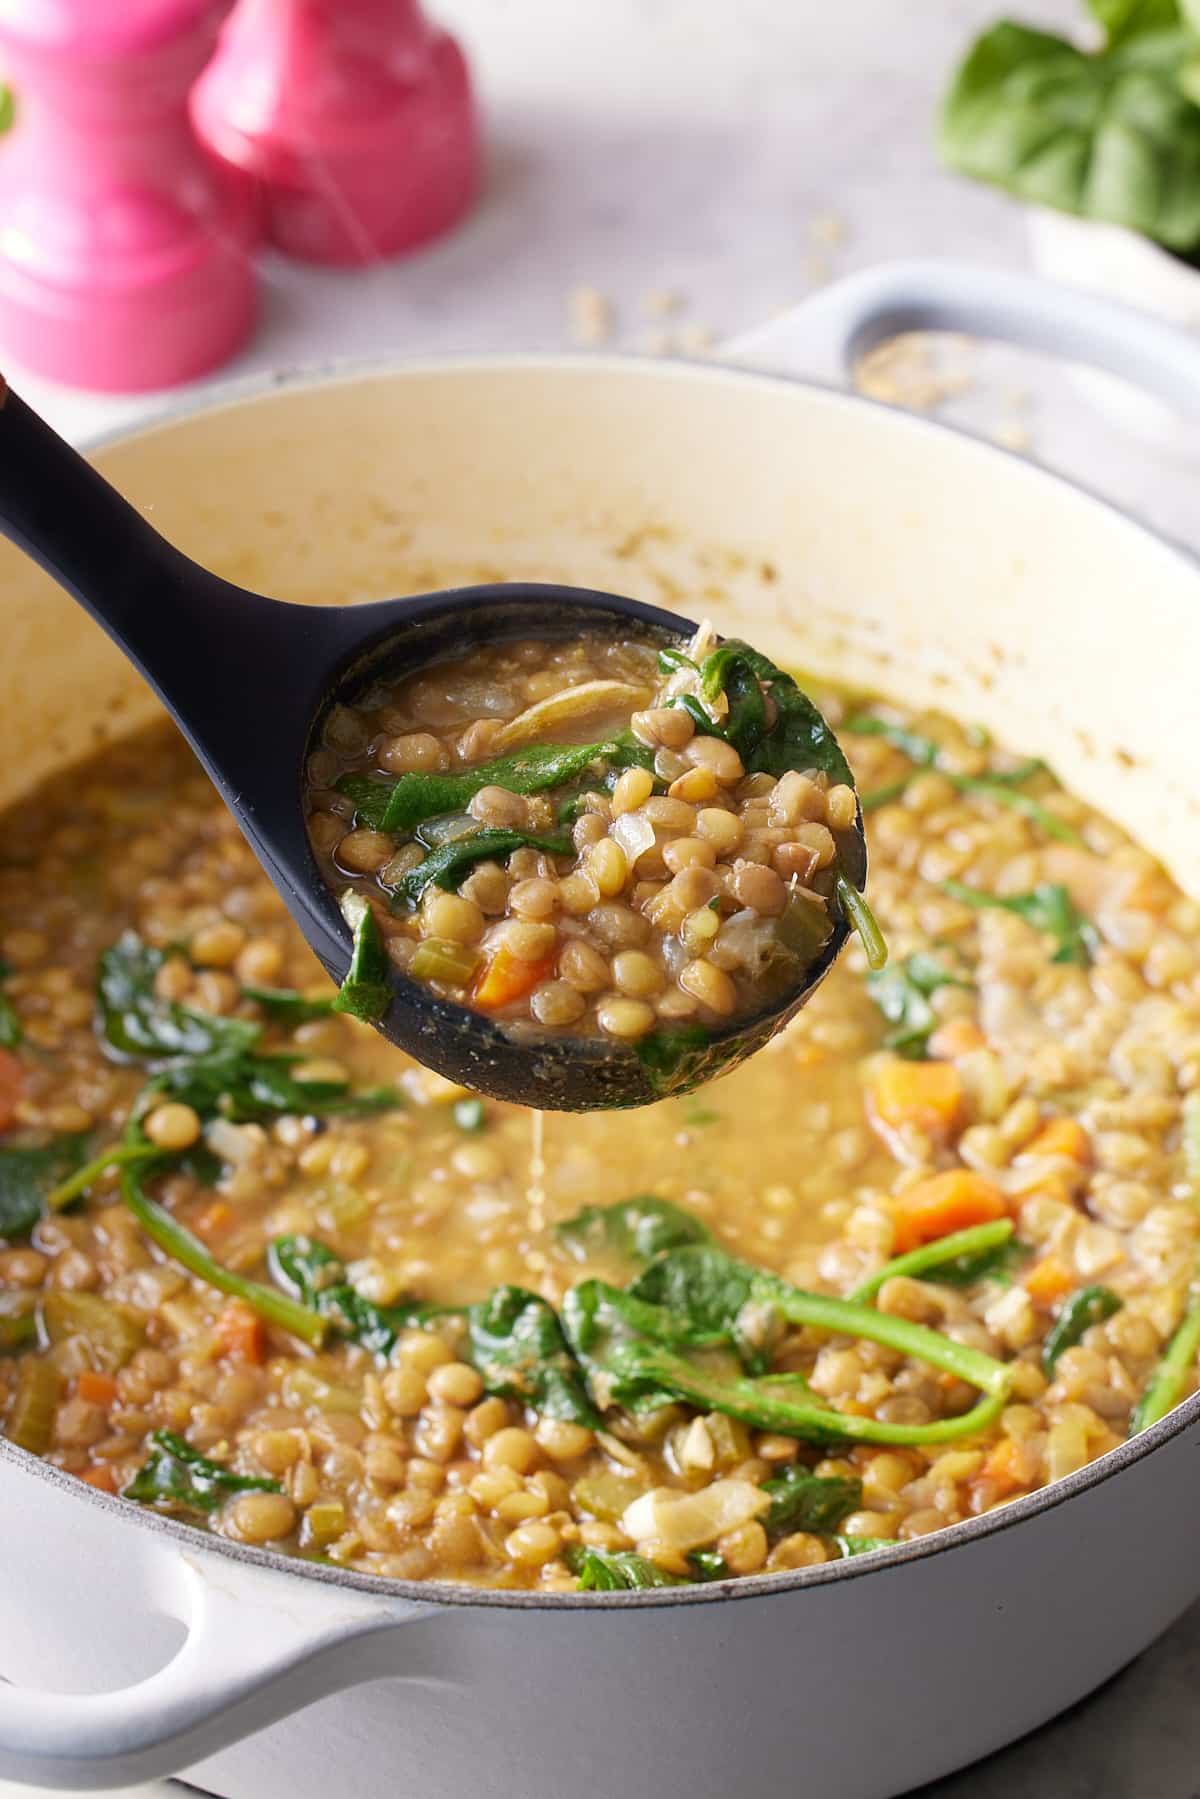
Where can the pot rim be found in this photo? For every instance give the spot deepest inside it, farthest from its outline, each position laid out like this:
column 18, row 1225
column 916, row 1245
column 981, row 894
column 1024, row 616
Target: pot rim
column 758, row 1586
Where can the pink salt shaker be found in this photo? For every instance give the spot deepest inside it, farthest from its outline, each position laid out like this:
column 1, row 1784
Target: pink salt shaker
column 124, row 248
column 353, row 118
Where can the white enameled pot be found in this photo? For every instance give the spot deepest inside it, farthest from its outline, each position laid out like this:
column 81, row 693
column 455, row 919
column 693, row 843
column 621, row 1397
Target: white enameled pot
column 842, row 536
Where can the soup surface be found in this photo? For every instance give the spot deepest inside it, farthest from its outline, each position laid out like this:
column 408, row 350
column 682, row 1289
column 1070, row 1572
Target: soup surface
column 588, row 836
column 923, row 1254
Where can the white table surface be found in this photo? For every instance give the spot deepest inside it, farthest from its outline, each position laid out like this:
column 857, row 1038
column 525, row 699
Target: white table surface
column 639, row 145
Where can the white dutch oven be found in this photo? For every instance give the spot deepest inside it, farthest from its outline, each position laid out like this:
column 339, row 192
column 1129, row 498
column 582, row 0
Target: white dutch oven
column 863, row 542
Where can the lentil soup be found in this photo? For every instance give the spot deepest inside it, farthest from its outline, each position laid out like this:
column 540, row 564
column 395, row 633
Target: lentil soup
column 588, row 836
column 932, row 1248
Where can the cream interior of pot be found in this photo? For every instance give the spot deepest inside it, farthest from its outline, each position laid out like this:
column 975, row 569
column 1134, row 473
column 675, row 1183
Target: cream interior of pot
column 843, row 538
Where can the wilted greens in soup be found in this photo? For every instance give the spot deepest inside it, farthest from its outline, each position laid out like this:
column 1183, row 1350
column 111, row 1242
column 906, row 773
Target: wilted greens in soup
column 933, row 1248
column 593, row 837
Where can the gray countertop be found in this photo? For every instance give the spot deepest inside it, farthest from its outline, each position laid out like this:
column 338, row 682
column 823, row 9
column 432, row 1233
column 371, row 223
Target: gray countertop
column 740, row 156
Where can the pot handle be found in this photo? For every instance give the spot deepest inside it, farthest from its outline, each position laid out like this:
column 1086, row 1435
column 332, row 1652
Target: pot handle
column 825, row 334
column 260, row 1644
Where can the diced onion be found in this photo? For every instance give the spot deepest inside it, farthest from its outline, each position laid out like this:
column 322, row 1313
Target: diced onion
column 565, row 707
column 669, row 1519
column 635, row 834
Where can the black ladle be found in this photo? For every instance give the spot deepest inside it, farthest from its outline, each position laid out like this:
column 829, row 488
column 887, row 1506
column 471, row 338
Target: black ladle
column 249, row 681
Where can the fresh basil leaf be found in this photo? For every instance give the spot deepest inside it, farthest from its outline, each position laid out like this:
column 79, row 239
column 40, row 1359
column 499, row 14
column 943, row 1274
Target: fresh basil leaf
column 1129, row 18
column 1111, row 136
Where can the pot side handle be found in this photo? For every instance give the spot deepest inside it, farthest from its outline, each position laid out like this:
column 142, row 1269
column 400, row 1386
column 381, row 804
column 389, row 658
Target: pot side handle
column 825, row 335
column 259, row 1645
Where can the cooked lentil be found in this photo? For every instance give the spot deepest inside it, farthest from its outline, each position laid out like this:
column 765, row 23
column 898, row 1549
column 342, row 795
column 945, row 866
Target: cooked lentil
column 1046, row 1093
column 681, row 851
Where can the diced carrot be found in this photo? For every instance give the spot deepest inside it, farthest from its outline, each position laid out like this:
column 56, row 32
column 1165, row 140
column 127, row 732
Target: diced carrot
column 96, row 1389
column 214, row 1219
column 241, row 1335
column 1011, row 1465
column 945, row 1202
column 506, row 978
column 928, row 1095
column 956, row 1037
column 1047, row 1281
column 100, row 1476
column 12, row 1086
column 1061, row 1137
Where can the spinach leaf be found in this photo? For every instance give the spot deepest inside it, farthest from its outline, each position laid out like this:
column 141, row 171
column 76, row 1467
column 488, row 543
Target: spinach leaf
column 311, row 1273
column 27, row 1176
column 706, row 725
column 18, row 1321
column 707, row 1564
column 1049, row 908
column 248, row 1088
column 999, row 787
column 616, row 1571
column 635, row 1228
column 801, row 1500
column 1085, row 1307
column 447, row 866
column 398, row 807
column 179, row 1477
column 921, row 750
column 728, row 672
column 10, row 1024
column 706, row 1292
column 470, row 1115
column 139, row 1027
column 862, row 1545
column 176, row 1241
column 996, row 1263
column 674, row 1058
column 1173, row 1374
column 955, row 1260
column 800, row 737
column 901, row 991
column 633, row 1346
column 287, row 1006
column 518, row 1346
column 366, row 992
column 1112, row 135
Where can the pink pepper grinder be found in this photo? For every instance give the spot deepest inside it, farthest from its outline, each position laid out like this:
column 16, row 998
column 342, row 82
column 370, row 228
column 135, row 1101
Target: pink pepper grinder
column 124, row 249
column 353, row 118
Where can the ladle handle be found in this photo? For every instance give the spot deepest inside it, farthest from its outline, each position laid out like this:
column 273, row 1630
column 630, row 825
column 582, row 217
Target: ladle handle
column 240, row 672
column 63, row 514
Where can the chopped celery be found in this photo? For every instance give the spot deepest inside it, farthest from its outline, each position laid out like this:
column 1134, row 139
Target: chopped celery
column 437, row 959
